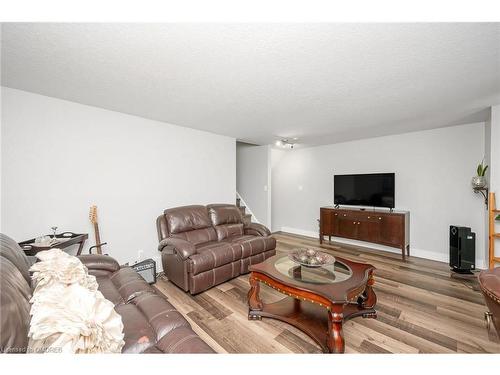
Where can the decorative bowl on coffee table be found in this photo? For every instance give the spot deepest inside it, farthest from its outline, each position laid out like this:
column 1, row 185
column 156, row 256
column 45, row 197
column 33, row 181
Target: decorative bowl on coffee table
column 311, row 258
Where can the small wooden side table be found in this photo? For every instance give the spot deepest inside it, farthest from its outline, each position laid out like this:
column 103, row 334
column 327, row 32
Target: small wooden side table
column 64, row 240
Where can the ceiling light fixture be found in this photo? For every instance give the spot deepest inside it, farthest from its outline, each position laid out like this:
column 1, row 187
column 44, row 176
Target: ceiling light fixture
column 285, row 143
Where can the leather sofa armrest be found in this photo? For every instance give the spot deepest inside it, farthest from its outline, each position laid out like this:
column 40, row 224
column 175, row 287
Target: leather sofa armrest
column 101, row 263
column 176, row 245
column 257, row 230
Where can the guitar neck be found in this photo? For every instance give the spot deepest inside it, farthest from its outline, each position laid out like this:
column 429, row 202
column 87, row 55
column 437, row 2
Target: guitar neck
column 97, row 238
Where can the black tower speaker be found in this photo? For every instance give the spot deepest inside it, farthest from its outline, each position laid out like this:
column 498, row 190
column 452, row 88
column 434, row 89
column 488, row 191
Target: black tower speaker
column 462, row 249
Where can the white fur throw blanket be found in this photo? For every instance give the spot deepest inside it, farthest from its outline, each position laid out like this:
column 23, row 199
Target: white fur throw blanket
column 68, row 313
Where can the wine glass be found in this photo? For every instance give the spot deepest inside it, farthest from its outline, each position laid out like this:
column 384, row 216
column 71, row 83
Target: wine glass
column 54, row 228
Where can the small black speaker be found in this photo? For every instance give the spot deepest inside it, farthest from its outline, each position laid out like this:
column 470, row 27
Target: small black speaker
column 147, row 269
column 462, row 249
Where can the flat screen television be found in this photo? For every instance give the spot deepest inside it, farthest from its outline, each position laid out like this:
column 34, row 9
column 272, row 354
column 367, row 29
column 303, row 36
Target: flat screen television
column 374, row 190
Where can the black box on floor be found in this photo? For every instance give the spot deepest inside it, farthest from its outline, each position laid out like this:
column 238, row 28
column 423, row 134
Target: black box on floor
column 462, row 249
column 147, row 269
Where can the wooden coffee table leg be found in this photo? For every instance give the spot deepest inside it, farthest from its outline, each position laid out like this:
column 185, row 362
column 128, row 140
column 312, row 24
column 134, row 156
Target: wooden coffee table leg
column 369, row 299
column 254, row 301
column 335, row 341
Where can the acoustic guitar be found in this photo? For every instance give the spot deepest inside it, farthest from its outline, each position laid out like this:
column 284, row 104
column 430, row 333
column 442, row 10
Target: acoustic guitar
column 93, row 220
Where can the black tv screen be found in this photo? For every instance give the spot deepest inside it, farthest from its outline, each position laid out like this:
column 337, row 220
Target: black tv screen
column 376, row 190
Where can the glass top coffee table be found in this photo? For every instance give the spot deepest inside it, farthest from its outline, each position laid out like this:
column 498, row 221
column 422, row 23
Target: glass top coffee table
column 319, row 300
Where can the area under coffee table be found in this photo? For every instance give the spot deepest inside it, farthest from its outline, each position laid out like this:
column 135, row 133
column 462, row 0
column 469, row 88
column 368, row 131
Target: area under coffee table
column 319, row 300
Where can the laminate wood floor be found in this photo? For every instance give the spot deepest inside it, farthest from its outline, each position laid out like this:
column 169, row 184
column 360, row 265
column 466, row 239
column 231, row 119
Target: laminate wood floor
column 421, row 309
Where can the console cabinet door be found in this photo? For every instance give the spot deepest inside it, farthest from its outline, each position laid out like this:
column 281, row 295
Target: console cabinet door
column 326, row 222
column 369, row 228
column 347, row 226
column 335, row 223
column 392, row 229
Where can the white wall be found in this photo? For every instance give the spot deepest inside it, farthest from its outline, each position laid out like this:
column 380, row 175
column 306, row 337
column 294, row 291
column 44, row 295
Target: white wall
column 494, row 169
column 433, row 181
column 487, row 160
column 495, row 151
column 253, row 179
column 59, row 157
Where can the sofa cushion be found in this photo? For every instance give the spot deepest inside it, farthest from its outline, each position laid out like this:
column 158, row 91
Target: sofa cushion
column 228, row 230
column 227, row 220
column 10, row 250
column 252, row 245
column 123, row 285
column 14, row 308
column 224, row 214
column 255, row 259
column 181, row 340
column 187, row 218
column 212, row 255
column 139, row 335
column 197, row 236
column 215, row 276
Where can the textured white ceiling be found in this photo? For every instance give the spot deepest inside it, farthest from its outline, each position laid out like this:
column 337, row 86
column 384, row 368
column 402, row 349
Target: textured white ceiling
column 323, row 83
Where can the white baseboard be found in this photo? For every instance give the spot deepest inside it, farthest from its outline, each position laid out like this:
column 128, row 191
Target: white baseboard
column 419, row 253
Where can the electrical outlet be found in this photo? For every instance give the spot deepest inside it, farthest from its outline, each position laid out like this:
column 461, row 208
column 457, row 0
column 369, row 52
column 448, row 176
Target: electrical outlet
column 139, row 255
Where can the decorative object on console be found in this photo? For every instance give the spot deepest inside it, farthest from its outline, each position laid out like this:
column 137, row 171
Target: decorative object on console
column 68, row 313
column 376, row 226
column 93, row 220
column 311, row 257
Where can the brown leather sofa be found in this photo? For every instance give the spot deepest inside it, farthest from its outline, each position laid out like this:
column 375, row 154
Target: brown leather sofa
column 151, row 323
column 489, row 281
column 203, row 246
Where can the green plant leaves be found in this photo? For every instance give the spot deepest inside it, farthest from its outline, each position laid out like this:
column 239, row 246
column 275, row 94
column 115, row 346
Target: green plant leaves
column 484, row 170
column 481, row 170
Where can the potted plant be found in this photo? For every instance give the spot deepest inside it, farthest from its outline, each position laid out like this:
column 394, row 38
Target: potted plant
column 479, row 181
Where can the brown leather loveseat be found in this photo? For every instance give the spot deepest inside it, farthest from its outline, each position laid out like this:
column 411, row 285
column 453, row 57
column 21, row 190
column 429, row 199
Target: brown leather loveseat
column 203, row 246
column 151, row 323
